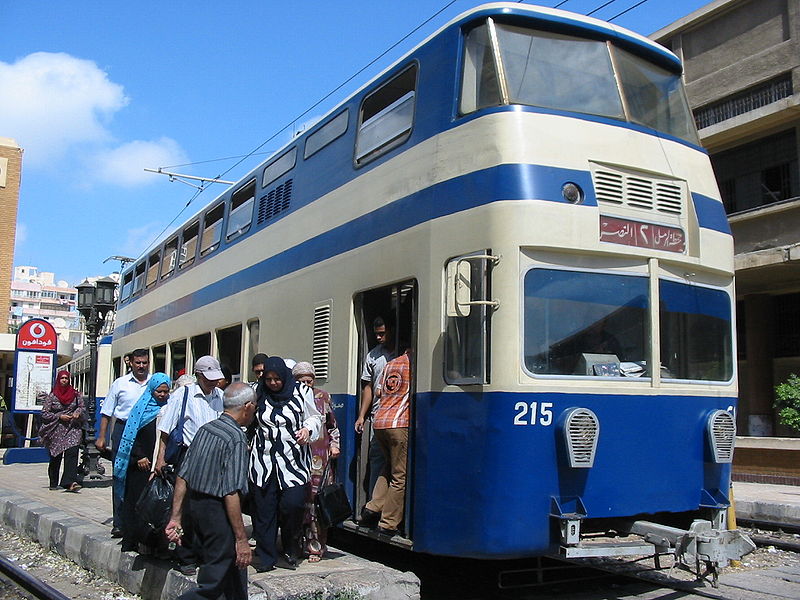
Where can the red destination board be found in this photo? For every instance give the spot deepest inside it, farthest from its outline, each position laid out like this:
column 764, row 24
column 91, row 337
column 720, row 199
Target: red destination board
column 641, row 235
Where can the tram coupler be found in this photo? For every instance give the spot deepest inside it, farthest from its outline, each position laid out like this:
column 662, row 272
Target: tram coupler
column 700, row 546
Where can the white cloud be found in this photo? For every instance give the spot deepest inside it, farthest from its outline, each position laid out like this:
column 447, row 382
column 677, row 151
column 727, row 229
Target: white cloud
column 21, row 236
column 138, row 239
column 125, row 164
column 50, row 102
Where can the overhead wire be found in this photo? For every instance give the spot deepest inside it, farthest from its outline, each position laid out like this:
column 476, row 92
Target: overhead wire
column 255, row 150
column 627, row 10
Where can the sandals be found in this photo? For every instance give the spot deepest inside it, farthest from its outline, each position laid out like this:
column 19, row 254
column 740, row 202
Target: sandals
column 314, row 558
column 74, row 488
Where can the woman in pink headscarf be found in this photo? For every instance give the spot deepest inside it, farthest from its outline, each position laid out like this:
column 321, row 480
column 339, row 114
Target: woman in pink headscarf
column 324, row 449
column 61, row 432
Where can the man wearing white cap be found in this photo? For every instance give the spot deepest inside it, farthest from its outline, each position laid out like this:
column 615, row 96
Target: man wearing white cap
column 203, row 402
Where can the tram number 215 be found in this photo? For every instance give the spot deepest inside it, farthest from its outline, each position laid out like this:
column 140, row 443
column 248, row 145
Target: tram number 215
column 533, row 413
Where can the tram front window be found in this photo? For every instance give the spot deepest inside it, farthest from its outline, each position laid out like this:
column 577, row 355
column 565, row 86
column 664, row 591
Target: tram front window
column 574, row 74
column 695, row 332
column 590, row 324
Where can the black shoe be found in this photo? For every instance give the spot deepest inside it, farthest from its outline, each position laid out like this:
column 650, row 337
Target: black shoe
column 388, row 532
column 369, row 518
column 189, row 569
column 116, row 532
column 291, row 562
column 263, row 569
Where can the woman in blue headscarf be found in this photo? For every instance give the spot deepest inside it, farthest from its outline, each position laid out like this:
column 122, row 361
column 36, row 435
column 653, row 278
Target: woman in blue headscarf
column 133, row 462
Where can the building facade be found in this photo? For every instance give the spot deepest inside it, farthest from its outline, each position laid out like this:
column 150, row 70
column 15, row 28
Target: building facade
column 742, row 73
column 36, row 295
column 10, row 179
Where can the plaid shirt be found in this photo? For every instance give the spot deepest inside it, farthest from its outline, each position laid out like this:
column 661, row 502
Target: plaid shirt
column 394, row 394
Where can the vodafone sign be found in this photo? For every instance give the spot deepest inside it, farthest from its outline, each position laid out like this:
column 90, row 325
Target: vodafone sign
column 37, row 334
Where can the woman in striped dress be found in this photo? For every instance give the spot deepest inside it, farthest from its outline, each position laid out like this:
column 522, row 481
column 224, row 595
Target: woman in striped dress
column 280, row 462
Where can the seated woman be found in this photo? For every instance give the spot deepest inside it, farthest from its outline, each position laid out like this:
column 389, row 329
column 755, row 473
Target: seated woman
column 324, row 449
column 280, row 462
column 133, row 461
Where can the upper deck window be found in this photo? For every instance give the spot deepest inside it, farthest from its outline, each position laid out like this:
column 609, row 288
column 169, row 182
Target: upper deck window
column 386, row 116
column 281, row 165
column 127, row 285
column 506, row 64
column 138, row 279
column 152, row 268
column 170, row 258
column 212, row 232
column 326, row 134
column 241, row 214
column 189, row 246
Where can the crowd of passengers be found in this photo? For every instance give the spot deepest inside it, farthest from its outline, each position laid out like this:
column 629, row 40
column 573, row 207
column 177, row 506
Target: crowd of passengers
column 263, row 448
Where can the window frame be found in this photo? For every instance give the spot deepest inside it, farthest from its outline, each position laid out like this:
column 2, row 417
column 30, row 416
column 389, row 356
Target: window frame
column 233, row 211
column 219, row 221
column 184, row 260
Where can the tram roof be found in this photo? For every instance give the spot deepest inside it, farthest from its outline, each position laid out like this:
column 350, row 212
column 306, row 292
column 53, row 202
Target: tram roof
column 513, row 9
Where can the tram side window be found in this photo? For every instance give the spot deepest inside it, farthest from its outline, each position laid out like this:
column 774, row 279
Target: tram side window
column 466, row 327
column 479, row 84
column 585, row 323
column 138, row 278
column 386, row 116
column 170, row 258
column 177, row 352
column 189, row 246
column 212, row 230
column 326, row 134
column 152, row 268
column 241, row 214
column 696, row 333
column 127, row 285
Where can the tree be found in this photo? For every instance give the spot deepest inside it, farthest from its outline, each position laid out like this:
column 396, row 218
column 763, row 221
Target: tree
column 787, row 401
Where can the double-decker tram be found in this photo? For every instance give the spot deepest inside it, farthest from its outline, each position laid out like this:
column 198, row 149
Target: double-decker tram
column 524, row 195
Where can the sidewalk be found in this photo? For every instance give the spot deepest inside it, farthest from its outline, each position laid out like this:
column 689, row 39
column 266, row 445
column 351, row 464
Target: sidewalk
column 78, row 526
column 767, row 502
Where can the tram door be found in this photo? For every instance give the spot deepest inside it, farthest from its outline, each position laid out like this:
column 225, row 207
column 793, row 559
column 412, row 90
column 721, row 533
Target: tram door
column 396, row 306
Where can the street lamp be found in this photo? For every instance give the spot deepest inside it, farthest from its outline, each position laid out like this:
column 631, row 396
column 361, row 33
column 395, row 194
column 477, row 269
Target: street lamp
column 95, row 301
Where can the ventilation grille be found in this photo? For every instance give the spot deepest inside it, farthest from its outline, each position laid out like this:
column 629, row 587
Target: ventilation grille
column 320, row 352
column 639, row 192
column 275, row 202
column 722, row 434
column 581, row 430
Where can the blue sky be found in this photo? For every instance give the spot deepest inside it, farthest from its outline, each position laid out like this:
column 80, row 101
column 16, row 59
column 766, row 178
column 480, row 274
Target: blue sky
column 96, row 91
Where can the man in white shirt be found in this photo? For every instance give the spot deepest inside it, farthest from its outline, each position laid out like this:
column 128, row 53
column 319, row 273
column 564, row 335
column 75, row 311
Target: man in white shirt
column 203, row 405
column 123, row 394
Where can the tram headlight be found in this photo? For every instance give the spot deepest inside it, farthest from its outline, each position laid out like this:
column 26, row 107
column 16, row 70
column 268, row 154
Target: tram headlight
column 572, row 193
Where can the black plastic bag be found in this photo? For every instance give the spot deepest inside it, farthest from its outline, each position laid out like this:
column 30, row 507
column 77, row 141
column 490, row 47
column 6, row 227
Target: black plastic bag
column 155, row 504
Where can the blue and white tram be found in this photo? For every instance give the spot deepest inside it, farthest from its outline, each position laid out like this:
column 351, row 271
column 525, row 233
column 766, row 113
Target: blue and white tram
column 525, row 195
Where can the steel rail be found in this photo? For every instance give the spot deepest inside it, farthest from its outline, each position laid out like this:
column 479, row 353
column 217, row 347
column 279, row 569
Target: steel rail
column 28, row 582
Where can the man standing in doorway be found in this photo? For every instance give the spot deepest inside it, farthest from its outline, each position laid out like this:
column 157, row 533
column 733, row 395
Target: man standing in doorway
column 121, row 398
column 370, row 376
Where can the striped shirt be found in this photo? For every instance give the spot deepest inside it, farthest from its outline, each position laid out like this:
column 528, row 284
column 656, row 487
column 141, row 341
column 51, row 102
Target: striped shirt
column 275, row 447
column 394, row 393
column 216, row 462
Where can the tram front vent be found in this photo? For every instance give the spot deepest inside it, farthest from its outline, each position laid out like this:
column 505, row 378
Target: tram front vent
column 581, row 430
column 722, row 435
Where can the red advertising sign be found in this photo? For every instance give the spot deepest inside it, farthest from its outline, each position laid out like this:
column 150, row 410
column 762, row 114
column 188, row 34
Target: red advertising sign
column 642, row 235
column 37, row 334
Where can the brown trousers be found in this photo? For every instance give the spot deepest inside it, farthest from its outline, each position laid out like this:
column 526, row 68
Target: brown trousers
column 388, row 496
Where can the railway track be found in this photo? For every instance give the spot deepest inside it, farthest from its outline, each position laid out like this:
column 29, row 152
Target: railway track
column 33, row 587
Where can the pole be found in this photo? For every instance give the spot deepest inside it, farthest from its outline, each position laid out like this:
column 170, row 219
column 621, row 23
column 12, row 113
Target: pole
column 94, row 477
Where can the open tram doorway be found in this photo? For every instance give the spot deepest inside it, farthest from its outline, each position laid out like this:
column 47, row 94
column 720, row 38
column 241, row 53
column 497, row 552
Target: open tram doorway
column 396, row 306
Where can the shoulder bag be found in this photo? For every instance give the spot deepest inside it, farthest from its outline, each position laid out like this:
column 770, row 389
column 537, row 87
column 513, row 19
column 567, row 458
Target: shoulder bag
column 175, row 440
column 331, row 501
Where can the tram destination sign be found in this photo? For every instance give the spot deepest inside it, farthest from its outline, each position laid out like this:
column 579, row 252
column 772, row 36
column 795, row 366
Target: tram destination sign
column 642, row 235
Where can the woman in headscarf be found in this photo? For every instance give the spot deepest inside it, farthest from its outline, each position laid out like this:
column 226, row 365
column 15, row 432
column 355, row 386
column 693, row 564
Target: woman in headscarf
column 61, row 432
column 133, row 462
column 324, row 449
column 280, row 462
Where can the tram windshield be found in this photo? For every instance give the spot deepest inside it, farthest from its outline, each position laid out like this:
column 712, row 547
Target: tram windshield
column 569, row 73
column 596, row 325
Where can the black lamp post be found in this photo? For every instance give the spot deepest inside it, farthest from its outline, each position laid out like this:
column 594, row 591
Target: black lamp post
column 95, row 301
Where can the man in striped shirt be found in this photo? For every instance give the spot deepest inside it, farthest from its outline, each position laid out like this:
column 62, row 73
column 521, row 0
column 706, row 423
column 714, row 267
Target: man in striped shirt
column 214, row 477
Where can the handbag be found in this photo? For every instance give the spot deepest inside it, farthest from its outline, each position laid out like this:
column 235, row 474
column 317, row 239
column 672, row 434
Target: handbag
column 175, row 446
column 331, row 501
